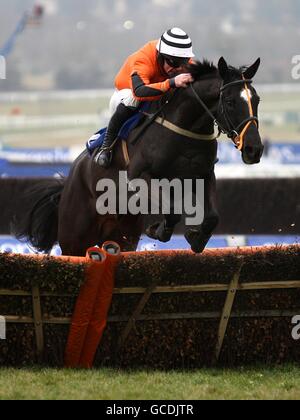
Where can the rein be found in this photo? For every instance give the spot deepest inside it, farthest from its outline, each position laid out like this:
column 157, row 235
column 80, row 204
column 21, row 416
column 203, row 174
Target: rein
column 236, row 134
column 160, row 119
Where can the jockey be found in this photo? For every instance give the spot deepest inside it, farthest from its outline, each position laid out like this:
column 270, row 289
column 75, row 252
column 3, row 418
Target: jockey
column 145, row 76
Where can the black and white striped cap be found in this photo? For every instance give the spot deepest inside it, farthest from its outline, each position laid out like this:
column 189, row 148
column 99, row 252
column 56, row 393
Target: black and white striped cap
column 177, row 43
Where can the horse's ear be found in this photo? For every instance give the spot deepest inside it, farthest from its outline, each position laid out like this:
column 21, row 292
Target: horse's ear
column 252, row 70
column 223, row 68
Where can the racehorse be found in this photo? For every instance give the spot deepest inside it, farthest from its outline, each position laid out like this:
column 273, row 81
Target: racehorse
column 179, row 143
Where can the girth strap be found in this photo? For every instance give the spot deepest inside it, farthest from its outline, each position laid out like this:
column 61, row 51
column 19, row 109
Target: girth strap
column 185, row 133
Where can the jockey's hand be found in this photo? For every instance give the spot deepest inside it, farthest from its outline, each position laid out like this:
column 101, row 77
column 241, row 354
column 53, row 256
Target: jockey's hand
column 183, row 80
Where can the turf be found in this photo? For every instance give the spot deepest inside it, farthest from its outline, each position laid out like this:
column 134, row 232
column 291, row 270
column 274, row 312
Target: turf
column 260, row 383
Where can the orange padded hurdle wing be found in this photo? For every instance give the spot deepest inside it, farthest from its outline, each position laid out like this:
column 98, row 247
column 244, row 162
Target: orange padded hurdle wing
column 84, row 306
column 101, row 306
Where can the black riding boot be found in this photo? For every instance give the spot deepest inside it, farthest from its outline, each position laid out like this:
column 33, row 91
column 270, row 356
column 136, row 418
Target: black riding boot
column 122, row 114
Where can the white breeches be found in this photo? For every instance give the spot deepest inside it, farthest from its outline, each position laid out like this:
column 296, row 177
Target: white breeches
column 126, row 97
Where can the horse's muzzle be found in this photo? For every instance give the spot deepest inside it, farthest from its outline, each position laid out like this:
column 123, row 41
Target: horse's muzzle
column 252, row 154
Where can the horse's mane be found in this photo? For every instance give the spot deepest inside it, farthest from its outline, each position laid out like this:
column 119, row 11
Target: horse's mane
column 201, row 69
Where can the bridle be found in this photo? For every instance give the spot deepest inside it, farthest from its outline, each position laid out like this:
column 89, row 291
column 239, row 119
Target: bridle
column 236, row 134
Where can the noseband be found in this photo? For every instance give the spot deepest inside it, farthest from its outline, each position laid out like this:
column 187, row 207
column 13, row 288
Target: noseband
column 236, row 134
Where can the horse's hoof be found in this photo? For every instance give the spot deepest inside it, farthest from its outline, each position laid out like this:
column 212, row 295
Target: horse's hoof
column 164, row 234
column 151, row 231
column 159, row 232
column 197, row 240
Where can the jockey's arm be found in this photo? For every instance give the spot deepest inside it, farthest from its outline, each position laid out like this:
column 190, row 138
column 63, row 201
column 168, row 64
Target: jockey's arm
column 142, row 88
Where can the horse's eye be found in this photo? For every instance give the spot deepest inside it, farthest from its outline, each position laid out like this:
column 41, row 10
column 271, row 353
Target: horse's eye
column 230, row 102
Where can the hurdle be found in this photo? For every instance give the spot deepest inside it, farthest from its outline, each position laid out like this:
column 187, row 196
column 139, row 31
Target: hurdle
column 168, row 310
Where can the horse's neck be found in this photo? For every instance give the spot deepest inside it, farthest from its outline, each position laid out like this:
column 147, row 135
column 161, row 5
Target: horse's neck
column 185, row 111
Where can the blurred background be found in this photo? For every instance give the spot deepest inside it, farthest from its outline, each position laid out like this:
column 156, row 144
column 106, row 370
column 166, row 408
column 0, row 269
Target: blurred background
column 62, row 56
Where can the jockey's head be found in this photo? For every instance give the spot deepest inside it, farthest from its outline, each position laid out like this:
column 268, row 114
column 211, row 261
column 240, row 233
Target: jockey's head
column 175, row 50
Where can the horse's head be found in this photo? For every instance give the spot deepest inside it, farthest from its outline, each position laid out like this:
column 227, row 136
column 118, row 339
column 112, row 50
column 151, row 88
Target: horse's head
column 239, row 109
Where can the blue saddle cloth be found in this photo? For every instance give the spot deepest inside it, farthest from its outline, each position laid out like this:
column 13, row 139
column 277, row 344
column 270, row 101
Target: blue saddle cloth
column 97, row 139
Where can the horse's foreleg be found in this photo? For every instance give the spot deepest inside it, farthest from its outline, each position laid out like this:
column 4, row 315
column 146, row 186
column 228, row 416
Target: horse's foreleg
column 199, row 237
column 163, row 231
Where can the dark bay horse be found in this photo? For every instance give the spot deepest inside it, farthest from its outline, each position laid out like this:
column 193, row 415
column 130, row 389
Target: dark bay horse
column 64, row 211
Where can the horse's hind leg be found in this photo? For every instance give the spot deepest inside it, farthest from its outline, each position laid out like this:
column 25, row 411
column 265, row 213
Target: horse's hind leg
column 74, row 249
column 75, row 240
column 199, row 237
column 77, row 229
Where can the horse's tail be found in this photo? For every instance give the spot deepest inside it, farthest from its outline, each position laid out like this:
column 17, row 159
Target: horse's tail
column 37, row 220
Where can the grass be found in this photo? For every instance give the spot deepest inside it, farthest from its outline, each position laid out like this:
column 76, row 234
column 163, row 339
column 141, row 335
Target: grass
column 56, row 107
column 260, row 383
